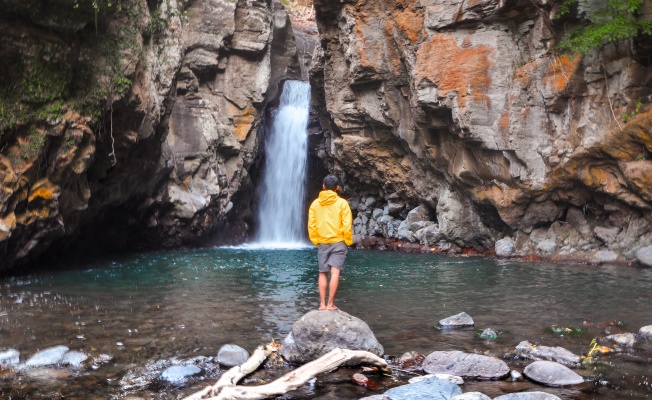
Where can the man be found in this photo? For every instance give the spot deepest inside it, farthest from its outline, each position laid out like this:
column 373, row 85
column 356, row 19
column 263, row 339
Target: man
column 329, row 227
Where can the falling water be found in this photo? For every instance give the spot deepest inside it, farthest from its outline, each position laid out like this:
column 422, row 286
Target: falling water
column 281, row 216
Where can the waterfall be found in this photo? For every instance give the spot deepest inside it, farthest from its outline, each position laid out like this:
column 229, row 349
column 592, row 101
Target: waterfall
column 281, row 215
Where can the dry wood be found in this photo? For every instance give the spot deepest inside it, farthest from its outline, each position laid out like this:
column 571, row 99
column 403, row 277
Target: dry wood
column 226, row 389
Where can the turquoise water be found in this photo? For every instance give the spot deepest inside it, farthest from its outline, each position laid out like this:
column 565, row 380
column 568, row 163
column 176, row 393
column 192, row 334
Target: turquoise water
column 141, row 309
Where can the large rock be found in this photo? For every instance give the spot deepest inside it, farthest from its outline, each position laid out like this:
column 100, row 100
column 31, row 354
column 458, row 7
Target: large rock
column 505, row 247
column 457, row 321
column 179, row 373
column 552, row 374
column 74, row 358
column 466, row 365
column 319, row 332
column 49, row 356
column 429, row 389
column 644, row 256
column 622, row 339
column 527, row 350
column 231, row 355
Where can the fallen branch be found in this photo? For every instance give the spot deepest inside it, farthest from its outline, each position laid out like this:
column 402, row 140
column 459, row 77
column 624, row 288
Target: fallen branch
column 226, row 389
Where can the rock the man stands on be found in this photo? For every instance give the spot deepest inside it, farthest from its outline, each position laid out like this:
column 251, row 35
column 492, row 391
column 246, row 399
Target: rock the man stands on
column 330, row 228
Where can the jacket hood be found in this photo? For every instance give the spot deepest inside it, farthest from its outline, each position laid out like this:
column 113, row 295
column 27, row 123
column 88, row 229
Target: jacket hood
column 327, row 197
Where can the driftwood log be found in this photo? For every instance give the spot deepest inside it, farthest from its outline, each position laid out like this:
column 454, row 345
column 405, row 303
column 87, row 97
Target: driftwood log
column 226, row 387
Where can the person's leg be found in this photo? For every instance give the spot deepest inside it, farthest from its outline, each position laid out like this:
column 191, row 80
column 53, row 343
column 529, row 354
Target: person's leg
column 322, row 282
column 332, row 289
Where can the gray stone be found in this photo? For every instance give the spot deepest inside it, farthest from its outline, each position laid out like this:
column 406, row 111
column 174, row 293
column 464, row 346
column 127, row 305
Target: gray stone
column 466, row 365
column 525, row 349
column 429, row 389
column 547, row 246
column 444, row 377
column 231, row 355
column 49, row 356
column 515, row 375
column 376, row 397
column 319, row 332
column 604, row 256
column 607, row 235
column 179, row 373
column 9, row 357
column 456, row 321
column 488, row 334
column 622, row 339
column 404, row 232
column 471, row 396
column 552, row 374
column 395, row 207
column 74, row 358
column 410, row 361
column 644, row 256
column 528, row 396
column 505, row 247
column 428, row 235
column 645, row 331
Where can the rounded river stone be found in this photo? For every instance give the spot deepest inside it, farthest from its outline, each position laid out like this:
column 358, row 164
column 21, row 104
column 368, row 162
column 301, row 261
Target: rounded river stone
column 429, row 389
column 552, row 374
column 528, row 396
column 466, row 365
column 231, row 355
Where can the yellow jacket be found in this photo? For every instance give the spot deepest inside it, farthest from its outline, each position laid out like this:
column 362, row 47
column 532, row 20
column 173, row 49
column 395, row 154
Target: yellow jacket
column 330, row 220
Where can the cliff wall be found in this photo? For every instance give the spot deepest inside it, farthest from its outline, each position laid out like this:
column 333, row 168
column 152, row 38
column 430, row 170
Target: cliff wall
column 131, row 124
column 462, row 112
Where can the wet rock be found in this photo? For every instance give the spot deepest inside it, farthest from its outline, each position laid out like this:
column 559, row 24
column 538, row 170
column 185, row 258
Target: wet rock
column 471, row 396
column 604, row 256
column 644, row 256
column 466, row 365
column 429, row 389
column 429, row 234
column 444, row 377
column 319, row 332
column 48, row 374
column 231, row 355
column 376, row 397
column 457, row 321
column 645, row 331
column 410, row 361
column 547, row 246
column 552, row 374
column 515, row 375
column 49, row 356
column 9, row 357
column 74, row 358
column 528, row 396
column 527, row 350
column 505, row 247
column 488, row 334
column 360, row 379
column 179, row 373
column 622, row 339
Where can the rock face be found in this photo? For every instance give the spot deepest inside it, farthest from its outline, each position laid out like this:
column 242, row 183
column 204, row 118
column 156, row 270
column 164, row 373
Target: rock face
column 464, row 110
column 466, row 365
column 552, row 374
column 135, row 124
column 319, row 332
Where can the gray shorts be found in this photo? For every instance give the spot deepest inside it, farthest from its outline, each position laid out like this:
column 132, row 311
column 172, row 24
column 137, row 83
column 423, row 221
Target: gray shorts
column 332, row 255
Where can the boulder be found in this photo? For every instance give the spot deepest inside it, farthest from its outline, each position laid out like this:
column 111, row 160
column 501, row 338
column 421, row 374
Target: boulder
column 466, row 365
column 410, row 361
column 605, row 256
column 644, row 256
column 527, row 350
column 606, row 235
column 74, row 358
column 49, row 356
column 429, row 234
column 552, row 374
column 457, row 321
column 528, row 396
column 505, row 247
column 12, row 357
column 645, row 331
column 179, row 373
column 622, row 339
column 429, row 389
column 319, row 332
column 471, row 396
column 231, row 355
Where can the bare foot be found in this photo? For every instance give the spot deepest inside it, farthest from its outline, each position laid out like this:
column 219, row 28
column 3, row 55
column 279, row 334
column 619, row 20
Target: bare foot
column 332, row 308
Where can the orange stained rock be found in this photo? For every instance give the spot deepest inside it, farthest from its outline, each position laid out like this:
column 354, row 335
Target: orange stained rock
column 242, row 120
column 462, row 69
column 560, row 71
column 44, row 190
column 409, row 19
column 525, row 74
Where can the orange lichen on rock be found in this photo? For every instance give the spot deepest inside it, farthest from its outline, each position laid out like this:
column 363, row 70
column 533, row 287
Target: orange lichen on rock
column 43, row 189
column 526, row 73
column 559, row 72
column 242, row 121
column 408, row 19
column 464, row 70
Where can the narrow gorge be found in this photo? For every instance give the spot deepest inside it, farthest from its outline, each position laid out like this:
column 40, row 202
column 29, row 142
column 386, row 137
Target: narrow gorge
column 457, row 125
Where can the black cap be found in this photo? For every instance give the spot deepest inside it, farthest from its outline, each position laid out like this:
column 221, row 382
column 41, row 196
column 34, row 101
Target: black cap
column 331, row 182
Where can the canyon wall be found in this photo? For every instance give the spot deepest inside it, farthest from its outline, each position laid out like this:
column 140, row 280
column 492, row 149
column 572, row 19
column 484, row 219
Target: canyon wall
column 132, row 124
column 455, row 123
